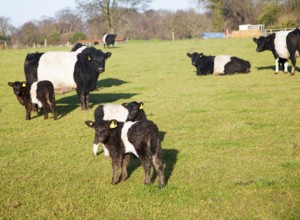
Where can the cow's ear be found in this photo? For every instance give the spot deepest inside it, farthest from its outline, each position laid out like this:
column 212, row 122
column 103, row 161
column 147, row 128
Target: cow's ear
column 107, row 55
column 113, row 124
column 189, row 55
column 124, row 104
column 254, row 39
column 141, row 106
column 90, row 124
column 10, row 84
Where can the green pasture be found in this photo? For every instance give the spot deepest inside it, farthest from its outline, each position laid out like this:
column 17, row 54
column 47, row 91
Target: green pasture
column 231, row 144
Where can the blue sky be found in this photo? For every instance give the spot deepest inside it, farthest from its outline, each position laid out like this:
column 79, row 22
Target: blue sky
column 21, row 11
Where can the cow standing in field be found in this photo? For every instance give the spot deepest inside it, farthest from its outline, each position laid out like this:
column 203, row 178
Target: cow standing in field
column 283, row 45
column 68, row 71
column 222, row 64
column 40, row 93
column 132, row 111
column 109, row 39
column 140, row 138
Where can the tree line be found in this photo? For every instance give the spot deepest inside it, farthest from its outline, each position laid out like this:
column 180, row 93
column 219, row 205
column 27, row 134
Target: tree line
column 134, row 20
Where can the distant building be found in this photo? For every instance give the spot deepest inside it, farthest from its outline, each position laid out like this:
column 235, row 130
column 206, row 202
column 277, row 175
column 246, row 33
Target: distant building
column 249, row 30
column 245, row 27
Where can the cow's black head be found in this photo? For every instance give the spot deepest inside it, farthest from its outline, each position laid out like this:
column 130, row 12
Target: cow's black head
column 102, row 129
column 17, row 87
column 195, row 57
column 264, row 43
column 135, row 111
column 94, row 59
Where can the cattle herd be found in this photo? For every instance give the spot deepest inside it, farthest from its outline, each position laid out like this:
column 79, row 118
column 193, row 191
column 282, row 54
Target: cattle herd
column 124, row 128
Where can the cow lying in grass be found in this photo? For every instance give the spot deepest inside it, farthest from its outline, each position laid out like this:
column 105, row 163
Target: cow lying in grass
column 218, row 65
column 40, row 93
column 132, row 111
column 140, row 138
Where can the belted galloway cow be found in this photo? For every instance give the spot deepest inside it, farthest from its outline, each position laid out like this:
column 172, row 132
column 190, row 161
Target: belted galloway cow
column 68, row 71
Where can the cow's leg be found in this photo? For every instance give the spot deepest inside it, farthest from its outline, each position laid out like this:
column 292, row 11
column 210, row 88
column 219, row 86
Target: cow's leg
column 125, row 162
column 52, row 105
column 28, row 116
column 95, row 149
column 147, row 163
column 86, row 101
column 286, row 65
column 46, row 107
column 53, row 109
column 276, row 65
column 28, row 109
column 293, row 60
column 116, row 164
column 159, row 167
column 82, row 97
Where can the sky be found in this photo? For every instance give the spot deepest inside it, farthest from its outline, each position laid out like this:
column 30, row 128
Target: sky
column 22, row 11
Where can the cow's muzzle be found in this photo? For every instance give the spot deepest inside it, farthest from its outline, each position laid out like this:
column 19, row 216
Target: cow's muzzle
column 100, row 70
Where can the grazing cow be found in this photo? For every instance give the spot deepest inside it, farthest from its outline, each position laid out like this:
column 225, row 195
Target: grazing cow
column 222, row 64
column 140, row 138
column 67, row 71
column 40, row 93
column 109, row 39
column 132, row 111
column 283, row 45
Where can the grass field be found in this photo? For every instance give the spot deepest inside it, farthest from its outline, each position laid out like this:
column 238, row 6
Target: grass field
column 231, row 144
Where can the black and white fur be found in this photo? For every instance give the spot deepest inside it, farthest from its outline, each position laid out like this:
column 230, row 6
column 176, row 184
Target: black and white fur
column 40, row 93
column 218, row 65
column 140, row 138
column 68, row 71
column 283, row 45
column 132, row 111
column 109, row 39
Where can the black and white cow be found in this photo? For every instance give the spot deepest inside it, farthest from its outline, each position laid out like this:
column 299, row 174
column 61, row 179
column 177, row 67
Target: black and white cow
column 40, row 93
column 222, row 64
column 109, row 39
column 132, row 111
column 67, row 71
column 78, row 46
column 140, row 138
column 283, row 45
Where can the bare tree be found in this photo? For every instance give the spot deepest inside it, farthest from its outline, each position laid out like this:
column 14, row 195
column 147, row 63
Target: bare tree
column 5, row 27
column 68, row 21
column 29, row 34
column 112, row 10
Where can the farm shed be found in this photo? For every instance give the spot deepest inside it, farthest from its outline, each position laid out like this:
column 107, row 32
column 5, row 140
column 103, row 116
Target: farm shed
column 209, row 35
column 249, row 30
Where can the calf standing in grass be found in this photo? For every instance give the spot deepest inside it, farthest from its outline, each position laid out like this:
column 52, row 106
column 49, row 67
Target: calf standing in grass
column 140, row 138
column 40, row 93
column 132, row 111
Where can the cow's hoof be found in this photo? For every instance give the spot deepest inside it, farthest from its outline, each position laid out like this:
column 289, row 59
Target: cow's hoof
column 276, row 73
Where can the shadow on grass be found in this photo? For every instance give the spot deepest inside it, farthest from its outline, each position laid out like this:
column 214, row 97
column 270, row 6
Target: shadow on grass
column 105, row 83
column 169, row 159
column 68, row 104
column 273, row 68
